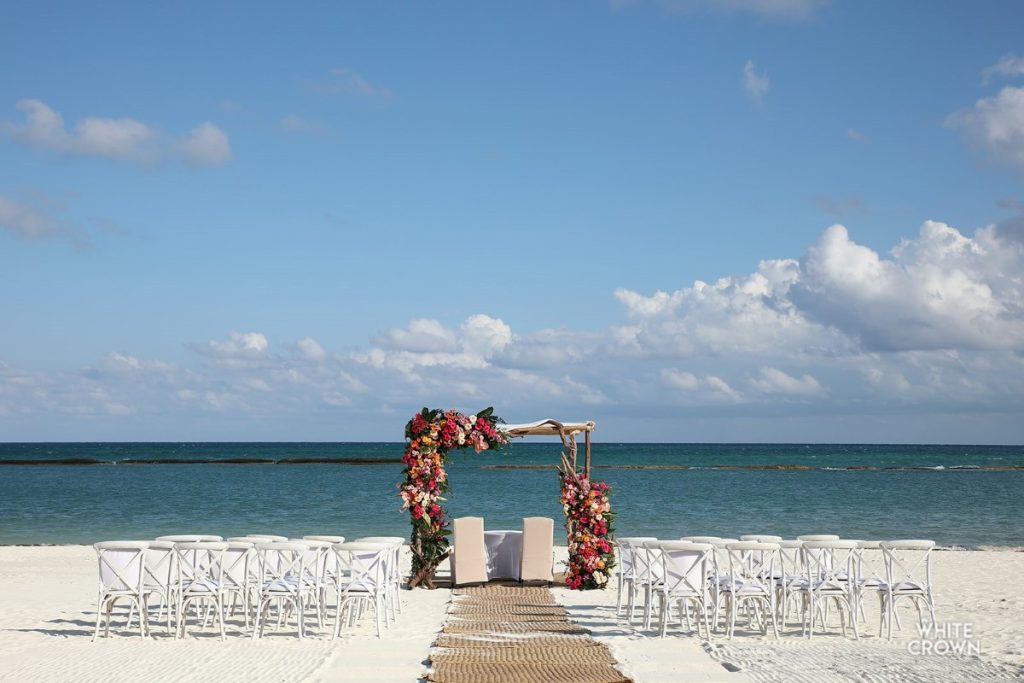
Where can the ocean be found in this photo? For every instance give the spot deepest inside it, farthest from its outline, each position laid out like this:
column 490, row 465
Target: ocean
column 59, row 493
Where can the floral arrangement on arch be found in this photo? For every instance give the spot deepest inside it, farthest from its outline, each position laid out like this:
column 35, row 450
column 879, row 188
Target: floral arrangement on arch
column 431, row 434
column 588, row 522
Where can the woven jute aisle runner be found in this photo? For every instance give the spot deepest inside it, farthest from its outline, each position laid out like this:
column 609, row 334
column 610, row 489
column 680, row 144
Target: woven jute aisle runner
column 516, row 634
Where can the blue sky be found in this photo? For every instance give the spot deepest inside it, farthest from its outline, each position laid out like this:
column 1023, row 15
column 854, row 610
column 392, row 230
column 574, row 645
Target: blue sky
column 228, row 221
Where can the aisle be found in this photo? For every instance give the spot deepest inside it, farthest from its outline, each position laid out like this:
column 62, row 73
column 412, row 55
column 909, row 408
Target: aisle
column 498, row 634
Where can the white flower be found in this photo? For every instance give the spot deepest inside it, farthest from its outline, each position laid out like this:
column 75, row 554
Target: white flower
column 600, row 578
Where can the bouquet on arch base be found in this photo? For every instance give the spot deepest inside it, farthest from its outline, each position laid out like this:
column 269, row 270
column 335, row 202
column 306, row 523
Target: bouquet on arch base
column 588, row 523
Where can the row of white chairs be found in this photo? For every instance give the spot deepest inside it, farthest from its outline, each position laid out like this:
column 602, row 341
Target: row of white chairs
column 765, row 577
column 264, row 576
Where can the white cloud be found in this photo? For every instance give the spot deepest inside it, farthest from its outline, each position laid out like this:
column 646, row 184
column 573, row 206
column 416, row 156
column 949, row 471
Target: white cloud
column 774, row 381
column 118, row 139
column 205, row 145
column 344, row 81
column 755, row 84
column 1008, row 66
column 484, row 336
column 425, row 343
column 719, row 385
column 422, row 335
column 28, row 222
column 995, row 126
column 931, row 328
column 734, row 315
column 311, row 350
column 38, row 216
column 680, row 379
column 237, row 345
column 940, row 290
column 293, row 123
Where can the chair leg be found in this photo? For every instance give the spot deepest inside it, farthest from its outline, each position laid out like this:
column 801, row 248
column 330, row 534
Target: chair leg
column 143, row 618
column 99, row 617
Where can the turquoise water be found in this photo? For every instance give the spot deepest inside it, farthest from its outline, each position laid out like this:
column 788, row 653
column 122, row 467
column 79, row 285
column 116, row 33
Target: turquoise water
column 957, row 495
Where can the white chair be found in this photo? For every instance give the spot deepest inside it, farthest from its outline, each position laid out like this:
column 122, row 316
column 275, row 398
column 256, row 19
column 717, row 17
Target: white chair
column 268, row 538
column 701, row 539
column 318, row 557
column 818, row 537
column 751, row 566
column 627, row 547
column 648, row 576
column 237, row 577
column 831, row 576
column 365, row 585
column 331, row 568
column 284, row 583
column 761, row 538
column 719, row 571
column 792, row 575
column 329, row 539
column 538, row 550
column 159, row 578
column 189, row 538
column 199, row 565
column 121, row 575
column 870, row 573
column 469, row 556
column 684, row 580
column 630, row 550
column 908, row 574
column 392, row 569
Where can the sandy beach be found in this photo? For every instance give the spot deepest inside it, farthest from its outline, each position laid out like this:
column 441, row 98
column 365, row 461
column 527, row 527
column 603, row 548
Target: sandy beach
column 48, row 598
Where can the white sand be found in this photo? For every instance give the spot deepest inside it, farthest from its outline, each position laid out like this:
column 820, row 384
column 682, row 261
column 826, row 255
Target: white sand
column 47, row 603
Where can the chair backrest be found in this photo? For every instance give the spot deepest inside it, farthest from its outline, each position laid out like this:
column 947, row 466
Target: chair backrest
column 720, row 558
column 329, row 539
column 760, row 537
column 872, row 561
column 684, row 567
column 235, row 570
column 199, row 563
column 159, row 564
column 283, row 566
column 318, row 554
column 701, row 539
column 121, row 565
column 189, row 538
column 908, row 564
column 366, row 563
column 831, row 565
column 818, row 537
column 791, row 559
column 538, row 549
column 629, row 546
column 752, row 560
column 268, row 538
column 470, row 559
column 624, row 555
column 647, row 561
column 392, row 561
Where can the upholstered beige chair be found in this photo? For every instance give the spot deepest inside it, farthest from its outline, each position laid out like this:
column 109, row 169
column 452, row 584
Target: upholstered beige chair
column 469, row 557
column 538, row 549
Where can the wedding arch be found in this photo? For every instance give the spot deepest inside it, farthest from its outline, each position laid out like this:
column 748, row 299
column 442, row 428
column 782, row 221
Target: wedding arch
column 432, row 434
